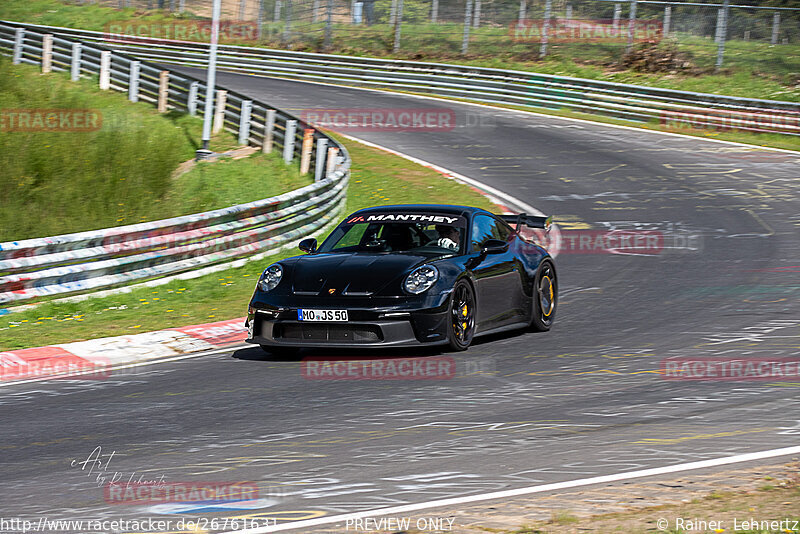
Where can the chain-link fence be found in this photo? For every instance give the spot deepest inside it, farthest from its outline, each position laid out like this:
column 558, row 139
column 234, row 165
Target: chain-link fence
column 654, row 35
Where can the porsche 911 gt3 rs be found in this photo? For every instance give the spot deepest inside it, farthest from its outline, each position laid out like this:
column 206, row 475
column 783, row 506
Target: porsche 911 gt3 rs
column 407, row 275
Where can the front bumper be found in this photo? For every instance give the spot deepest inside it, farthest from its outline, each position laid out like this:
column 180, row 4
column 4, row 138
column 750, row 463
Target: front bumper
column 379, row 323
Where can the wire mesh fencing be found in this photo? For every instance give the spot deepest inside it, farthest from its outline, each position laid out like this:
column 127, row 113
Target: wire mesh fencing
column 651, row 34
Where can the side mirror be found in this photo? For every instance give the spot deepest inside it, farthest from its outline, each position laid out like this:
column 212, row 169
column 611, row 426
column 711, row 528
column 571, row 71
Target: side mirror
column 309, row 246
column 494, row 246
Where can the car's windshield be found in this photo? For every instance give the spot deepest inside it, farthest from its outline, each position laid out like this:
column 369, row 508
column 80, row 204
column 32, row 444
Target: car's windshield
column 427, row 234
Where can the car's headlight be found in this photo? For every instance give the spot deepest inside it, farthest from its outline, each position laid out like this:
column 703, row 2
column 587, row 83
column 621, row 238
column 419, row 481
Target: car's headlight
column 270, row 278
column 421, row 279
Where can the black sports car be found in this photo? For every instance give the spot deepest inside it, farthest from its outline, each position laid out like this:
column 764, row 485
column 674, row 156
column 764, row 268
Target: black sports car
column 407, row 275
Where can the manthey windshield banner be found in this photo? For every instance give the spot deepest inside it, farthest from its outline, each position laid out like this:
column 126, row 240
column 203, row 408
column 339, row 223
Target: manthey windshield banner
column 425, row 218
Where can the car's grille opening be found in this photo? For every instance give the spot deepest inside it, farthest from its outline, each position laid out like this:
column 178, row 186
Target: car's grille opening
column 348, row 333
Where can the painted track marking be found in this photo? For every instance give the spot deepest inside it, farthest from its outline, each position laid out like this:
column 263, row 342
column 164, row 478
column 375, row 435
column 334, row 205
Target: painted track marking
column 739, row 458
column 491, row 191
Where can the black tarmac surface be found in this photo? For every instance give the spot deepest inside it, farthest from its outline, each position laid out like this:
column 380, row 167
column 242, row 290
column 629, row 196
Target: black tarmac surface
column 584, row 399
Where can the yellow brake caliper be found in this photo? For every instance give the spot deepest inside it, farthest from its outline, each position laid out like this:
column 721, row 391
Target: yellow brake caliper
column 550, row 285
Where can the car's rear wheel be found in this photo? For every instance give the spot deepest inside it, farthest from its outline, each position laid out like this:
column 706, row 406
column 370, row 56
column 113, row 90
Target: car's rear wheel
column 545, row 297
column 461, row 316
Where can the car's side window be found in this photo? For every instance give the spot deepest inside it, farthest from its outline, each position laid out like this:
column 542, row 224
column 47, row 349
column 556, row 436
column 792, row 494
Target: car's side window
column 485, row 228
column 503, row 230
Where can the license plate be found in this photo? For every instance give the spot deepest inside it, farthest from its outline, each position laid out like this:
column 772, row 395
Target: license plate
column 327, row 316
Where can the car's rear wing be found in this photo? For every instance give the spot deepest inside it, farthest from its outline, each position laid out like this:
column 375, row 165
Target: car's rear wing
column 532, row 221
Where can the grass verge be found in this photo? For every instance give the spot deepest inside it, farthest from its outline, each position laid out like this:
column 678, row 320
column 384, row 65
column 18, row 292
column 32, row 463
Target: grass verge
column 739, row 512
column 786, row 142
column 87, row 16
column 377, row 178
column 227, row 182
column 121, row 173
column 752, row 69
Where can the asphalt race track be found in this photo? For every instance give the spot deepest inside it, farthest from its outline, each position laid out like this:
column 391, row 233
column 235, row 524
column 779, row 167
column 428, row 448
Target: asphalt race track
column 522, row 409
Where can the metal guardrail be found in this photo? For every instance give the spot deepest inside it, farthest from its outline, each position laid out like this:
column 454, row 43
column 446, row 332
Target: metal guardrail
column 112, row 256
column 678, row 109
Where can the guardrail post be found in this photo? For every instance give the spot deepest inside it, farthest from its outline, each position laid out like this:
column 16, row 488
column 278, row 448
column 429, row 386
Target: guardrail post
column 305, row 153
column 617, row 16
column 330, row 162
column 476, row 21
column 329, row 25
column 219, row 112
column 260, row 20
column 47, row 53
column 105, row 70
column 244, row 122
column 548, row 8
column 776, row 25
column 288, row 141
column 667, row 20
column 398, row 21
column 269, row 130
column 631, row 26
column 434, row 11
column 319, row 164
column 467, row 20
column 163, row 90
column 287, row 27
column 75, row 65
column 19, row 43
column 133, row 82
column 191, row 102
column 722, row 32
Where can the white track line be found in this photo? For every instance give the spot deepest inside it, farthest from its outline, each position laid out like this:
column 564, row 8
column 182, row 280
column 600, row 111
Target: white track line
column 459, row 177
column 523, row 206
column 599, row 123
column 537, row 113
column 739, row 458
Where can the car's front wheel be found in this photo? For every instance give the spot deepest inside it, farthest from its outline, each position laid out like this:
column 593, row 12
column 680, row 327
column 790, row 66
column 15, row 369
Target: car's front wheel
column 545, row 297
column 461, row 316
